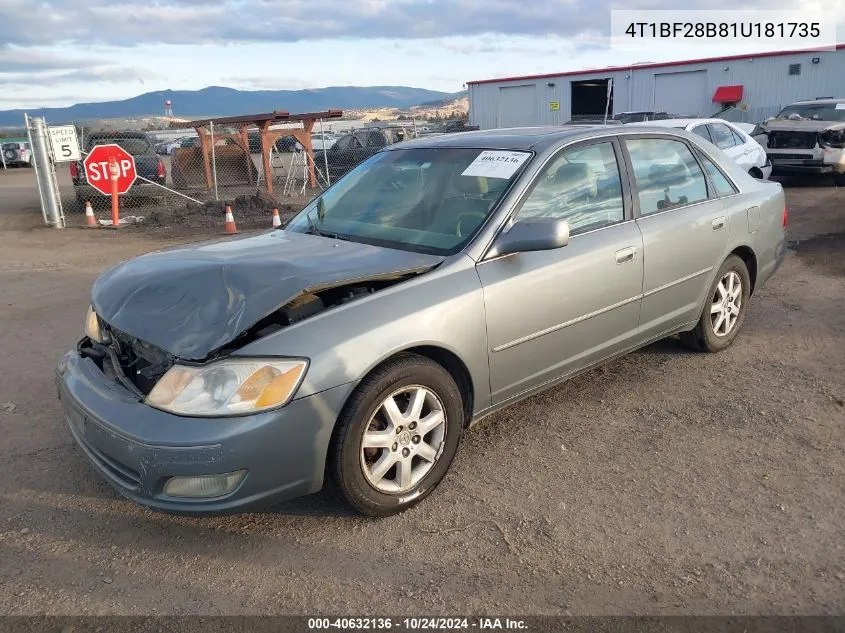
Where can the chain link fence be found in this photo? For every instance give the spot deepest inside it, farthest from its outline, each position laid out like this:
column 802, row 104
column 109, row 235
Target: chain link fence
column 189, row 176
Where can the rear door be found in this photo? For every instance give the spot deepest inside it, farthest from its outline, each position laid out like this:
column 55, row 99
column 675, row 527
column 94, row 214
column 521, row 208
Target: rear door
column 551, row 313
column 684, row 227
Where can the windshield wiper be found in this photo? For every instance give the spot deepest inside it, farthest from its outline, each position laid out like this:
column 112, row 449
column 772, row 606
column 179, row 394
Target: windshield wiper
column 312, row 228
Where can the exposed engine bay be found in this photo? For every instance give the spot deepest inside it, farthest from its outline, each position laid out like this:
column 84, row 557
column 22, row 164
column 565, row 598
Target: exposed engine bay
column 139, row 365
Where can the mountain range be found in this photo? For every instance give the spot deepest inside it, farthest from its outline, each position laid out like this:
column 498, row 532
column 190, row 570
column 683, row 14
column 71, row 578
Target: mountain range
column 221, row 101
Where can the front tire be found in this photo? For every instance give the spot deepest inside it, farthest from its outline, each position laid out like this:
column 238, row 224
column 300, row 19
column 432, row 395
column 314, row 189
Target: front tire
column 396, row 436
column 725, row 309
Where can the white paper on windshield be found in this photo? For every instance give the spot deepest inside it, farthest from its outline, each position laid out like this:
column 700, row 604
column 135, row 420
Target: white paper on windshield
column 840, row 106
column 496, row 164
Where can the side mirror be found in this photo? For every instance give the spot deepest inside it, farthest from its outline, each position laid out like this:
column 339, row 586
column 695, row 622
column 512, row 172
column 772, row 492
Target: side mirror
column 533, row 234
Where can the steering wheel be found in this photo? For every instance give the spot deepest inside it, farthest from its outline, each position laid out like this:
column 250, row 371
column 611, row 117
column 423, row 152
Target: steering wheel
column 464, row 216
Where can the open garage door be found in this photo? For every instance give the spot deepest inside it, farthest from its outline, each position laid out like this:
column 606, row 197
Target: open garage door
column 590, row 98
column 681, row 93
column 517, row 106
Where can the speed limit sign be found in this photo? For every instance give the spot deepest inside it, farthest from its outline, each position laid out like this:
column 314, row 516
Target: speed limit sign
column 64, row 143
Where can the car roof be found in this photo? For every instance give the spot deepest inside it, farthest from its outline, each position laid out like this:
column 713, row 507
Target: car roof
column 812, row 101
column 517, row 138
column 679, row 122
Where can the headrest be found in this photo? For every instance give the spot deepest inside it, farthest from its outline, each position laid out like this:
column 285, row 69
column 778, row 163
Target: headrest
column 469, row 185
column 667, row 174
column 576, row 179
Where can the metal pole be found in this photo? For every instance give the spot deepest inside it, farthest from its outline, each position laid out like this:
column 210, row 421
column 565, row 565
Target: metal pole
column 213, row 160
column 3, row 154
column 325, row 156
column 607, row 99
column 414, row 121
column 35, row 167
column 47, row 186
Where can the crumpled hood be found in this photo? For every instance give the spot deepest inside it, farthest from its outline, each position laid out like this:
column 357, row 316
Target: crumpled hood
column 190, row 301
column 785, row 125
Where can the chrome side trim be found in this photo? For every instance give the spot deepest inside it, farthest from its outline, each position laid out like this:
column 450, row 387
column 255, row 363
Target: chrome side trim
column 560, row 326
column 548, row 384
column 654, row 291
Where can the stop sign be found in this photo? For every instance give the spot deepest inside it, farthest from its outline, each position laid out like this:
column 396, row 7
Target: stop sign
column 97, row 168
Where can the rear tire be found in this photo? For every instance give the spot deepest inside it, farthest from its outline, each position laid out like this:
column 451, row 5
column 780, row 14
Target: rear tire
column 724, row 310
column 397, row 436
column 839, row 180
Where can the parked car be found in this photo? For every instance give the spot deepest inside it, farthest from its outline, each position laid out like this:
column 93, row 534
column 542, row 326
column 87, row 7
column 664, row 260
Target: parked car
column 324, row 140
column 729, row 138
column 16, row 154
column 437, row 282
column 634, row 117
column 350, row 149
column 148, row 166
column 457, row 126
column 287, row 144
column 808, row 137
column 593, row 121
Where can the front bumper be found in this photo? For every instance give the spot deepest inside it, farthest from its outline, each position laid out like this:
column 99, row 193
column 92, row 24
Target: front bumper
column 826, row 161
column 138, row 448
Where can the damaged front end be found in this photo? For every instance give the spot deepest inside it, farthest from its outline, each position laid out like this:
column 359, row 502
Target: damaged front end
column 136, row 365
column 139, row 366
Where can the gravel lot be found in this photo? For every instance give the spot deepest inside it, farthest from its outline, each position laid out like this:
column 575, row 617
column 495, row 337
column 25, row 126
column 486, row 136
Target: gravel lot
column 667, row 482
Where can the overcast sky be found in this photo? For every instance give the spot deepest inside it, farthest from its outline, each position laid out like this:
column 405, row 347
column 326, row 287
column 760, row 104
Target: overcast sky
column 60, row 52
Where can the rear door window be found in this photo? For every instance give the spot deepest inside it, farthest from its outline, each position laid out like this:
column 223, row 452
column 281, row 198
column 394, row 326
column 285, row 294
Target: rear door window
column 721, row 184
column 722, row 136
column 666, row 173
column 738, row 140
column 702, row 131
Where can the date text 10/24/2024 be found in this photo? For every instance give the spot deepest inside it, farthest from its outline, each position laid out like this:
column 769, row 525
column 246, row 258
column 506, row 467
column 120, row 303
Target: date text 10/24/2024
column 415, row 624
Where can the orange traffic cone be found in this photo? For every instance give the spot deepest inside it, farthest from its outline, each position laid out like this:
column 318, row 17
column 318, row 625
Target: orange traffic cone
column 229, row 228
column 277, row 221
column 90, row 220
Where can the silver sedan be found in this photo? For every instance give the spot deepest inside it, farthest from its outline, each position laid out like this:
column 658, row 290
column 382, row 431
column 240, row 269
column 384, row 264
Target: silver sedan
column 437, row 282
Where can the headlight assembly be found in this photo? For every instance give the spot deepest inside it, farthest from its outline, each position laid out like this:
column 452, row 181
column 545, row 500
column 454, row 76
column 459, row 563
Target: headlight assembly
column 228, row 387
column 92, row 327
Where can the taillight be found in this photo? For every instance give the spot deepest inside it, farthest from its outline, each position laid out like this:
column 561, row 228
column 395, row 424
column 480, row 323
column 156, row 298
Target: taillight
column 160, row 169
column 785, row 218
column 74, row 170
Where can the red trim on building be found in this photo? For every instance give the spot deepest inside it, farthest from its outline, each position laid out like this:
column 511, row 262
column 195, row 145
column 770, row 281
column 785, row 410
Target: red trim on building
column 611, row 69
column 728, row 94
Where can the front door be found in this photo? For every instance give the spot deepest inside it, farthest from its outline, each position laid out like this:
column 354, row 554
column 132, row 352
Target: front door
column 684, row 224
column 551, row 313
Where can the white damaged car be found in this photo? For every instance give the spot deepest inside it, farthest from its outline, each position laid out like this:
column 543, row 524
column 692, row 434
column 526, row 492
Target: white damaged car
column 728, row 137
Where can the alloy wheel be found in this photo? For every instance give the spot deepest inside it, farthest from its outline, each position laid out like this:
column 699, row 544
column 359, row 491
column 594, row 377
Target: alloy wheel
column 403, row 439
column 726, row 304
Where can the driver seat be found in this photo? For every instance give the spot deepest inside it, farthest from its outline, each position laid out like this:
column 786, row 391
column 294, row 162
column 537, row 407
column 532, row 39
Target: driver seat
column 464, row 196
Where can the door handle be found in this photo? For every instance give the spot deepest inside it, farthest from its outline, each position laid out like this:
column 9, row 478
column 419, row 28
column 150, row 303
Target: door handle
column 625, row 255
column 718, row 223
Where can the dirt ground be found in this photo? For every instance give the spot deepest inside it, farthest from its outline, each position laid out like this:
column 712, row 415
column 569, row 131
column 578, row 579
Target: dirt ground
column 667, row 482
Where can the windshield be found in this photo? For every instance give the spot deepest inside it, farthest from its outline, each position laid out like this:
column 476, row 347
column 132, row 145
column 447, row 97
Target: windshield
column 814, row 112
column 428, row 200
column 134, row 145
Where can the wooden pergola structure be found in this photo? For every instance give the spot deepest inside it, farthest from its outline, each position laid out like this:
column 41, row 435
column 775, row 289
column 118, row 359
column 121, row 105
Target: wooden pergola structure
column 268, row 137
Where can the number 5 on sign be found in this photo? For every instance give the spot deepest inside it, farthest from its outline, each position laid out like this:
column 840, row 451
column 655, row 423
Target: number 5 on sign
column 64, row 143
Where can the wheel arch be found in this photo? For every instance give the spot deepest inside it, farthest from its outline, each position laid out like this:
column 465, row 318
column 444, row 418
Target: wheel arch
column 747, row 255
column 446, row 358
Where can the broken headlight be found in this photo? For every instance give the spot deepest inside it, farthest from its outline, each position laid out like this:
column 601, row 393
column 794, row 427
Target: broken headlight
column 832, row 138
column 228, row 387
column 93, row 330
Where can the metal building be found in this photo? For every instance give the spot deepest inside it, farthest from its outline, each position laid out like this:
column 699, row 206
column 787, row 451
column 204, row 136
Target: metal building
column 758, row 85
